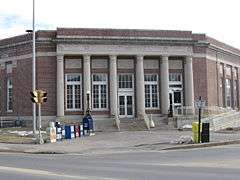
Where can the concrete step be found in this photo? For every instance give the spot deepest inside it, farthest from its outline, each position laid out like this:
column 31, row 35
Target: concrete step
column 132, row 125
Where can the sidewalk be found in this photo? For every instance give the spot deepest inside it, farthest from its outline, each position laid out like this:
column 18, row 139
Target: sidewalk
column 112, row 142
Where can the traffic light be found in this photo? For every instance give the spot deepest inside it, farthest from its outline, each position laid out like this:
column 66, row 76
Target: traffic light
column 38, row 96
column 34, row 97
column 42, row 96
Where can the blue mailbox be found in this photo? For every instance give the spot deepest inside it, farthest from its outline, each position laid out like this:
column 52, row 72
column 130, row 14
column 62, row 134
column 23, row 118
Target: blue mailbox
column 88, row 127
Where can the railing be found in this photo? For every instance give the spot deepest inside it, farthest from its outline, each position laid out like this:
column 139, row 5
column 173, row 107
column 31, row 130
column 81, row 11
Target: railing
column 206, row 111
column 217, row 117
column 8, row 122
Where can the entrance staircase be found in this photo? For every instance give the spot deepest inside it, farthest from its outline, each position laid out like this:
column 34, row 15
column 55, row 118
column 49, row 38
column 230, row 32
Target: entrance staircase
column 136, row 124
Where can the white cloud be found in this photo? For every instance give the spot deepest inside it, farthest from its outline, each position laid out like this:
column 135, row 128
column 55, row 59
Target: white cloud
column 217, row 18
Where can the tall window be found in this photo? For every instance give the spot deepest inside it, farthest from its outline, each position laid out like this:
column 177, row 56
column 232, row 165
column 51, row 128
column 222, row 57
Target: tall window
column 221, row 95
column 228, row 93
column 151, row 91
column 9, row 94
column 99, row 86
column 125, row 81
column 235, row 92
column 73, row 92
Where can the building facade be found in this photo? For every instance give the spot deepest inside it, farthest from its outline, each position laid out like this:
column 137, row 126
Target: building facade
column 129, row 73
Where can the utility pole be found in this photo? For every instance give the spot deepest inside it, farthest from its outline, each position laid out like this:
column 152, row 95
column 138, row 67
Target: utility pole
column 34, row 69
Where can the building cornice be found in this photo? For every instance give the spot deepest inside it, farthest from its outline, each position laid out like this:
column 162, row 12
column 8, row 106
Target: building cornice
column 125, row 41
column 222, row 50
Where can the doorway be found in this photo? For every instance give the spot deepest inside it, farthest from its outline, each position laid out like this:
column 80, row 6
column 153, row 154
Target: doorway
column 126, row 105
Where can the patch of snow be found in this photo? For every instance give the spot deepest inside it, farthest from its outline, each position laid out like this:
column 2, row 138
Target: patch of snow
column 187, row 126
column 183, row 140
column 25, row 133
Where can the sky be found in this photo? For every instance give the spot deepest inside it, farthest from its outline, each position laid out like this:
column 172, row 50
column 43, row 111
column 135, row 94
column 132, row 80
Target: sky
column 219, row 19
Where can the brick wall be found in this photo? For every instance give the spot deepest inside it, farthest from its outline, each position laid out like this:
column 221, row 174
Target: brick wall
column 46, row 80
column 200, row 78
column 212, row 85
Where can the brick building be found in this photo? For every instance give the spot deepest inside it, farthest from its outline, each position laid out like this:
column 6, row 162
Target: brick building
column 130, row 73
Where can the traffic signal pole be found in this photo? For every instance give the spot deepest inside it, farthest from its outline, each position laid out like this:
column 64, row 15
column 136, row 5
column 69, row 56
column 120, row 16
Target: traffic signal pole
column 38, row 97
column 40, row 124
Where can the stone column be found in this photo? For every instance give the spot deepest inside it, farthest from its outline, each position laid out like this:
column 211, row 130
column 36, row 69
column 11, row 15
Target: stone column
column 140, row 91
column 238, row 95
column 218, row 79
column 188, row 82
column 224, row 97
column 113, row 85
column 232, row 88
column 164, row 80
column 60, row 86
column 86, row 80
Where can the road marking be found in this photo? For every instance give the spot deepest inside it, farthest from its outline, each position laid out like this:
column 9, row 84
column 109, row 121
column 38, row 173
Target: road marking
column 48, row 173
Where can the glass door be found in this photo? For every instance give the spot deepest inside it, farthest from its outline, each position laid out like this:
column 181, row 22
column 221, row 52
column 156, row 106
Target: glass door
column 126, row 106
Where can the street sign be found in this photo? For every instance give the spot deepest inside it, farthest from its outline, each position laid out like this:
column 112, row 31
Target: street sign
column 200, row 104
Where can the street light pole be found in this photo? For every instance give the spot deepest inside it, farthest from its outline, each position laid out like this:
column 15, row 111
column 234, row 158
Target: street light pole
column 34, row 69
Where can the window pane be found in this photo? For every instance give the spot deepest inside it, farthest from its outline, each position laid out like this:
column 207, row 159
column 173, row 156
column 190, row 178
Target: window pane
column 69, row 96
column 99, row 91
column 125, row 81
column 103, row 96
column 154, row 96
column 121, row 105
column 147, row 96
column 151, row 90
column 95, row 96
column 77, row 97
column 177, row 97
column 73, row 96
column 129, row 105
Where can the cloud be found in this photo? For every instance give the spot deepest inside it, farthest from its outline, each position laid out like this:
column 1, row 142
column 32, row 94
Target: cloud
column 216, row 18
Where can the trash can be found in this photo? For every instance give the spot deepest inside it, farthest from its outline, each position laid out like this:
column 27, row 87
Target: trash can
column 195, row 132
column 205, row 135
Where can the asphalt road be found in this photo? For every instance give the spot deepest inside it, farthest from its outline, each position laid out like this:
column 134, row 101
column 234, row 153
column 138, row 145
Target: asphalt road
column 206, row 163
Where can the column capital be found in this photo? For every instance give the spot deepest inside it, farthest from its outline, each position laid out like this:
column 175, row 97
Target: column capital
column 60, row 57
column 139, row 57
column 86, row 56
column 188, row 59
column 113, row 57
column 164, row 59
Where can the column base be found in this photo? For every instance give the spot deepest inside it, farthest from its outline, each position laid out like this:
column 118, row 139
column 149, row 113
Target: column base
column 60, row 118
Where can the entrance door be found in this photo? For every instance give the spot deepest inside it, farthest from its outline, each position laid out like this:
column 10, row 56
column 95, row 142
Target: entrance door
column 175, row 98
column 125, row 106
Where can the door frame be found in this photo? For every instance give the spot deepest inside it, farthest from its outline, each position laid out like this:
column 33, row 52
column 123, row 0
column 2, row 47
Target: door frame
column 125, row 94
column 171, row 91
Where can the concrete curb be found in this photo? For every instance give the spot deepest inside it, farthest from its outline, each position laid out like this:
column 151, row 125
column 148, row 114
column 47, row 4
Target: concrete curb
column 192, row 146
column 177, row 147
